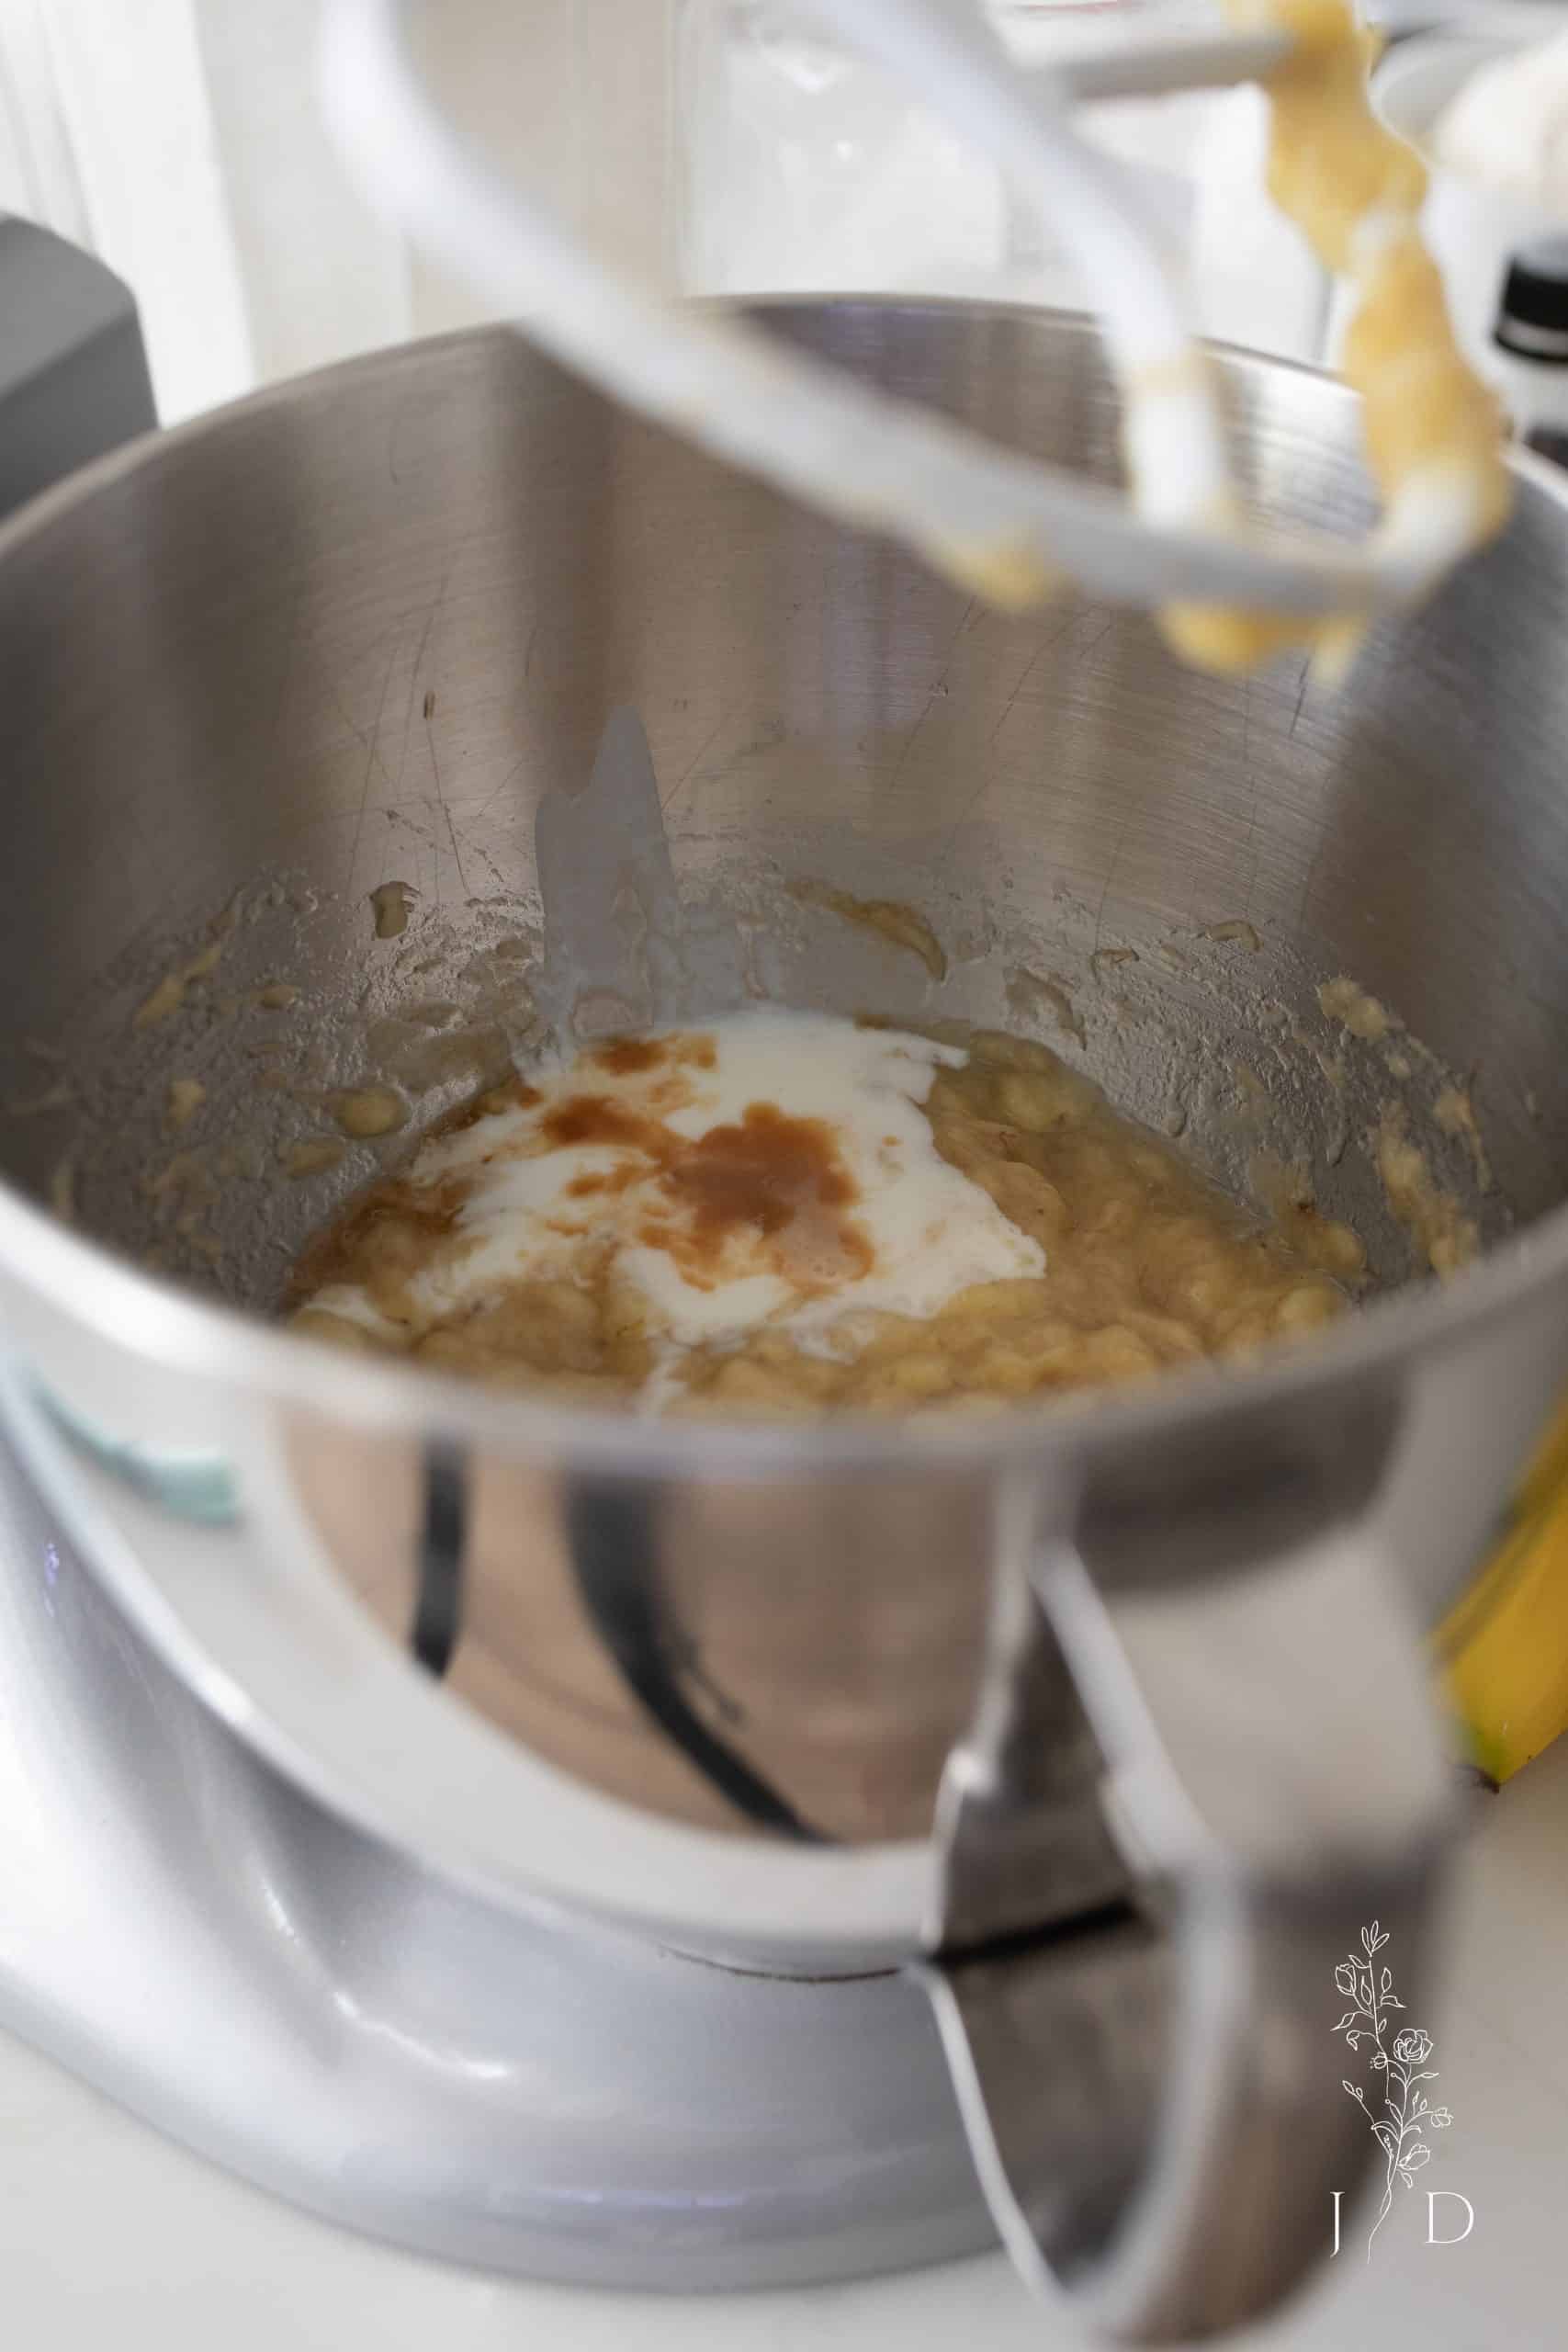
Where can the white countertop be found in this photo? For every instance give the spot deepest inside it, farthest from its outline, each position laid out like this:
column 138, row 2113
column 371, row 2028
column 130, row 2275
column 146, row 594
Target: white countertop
column 109, row 2235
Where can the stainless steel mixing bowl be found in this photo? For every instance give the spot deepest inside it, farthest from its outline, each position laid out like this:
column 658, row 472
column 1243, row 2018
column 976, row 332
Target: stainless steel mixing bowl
column 444, row 619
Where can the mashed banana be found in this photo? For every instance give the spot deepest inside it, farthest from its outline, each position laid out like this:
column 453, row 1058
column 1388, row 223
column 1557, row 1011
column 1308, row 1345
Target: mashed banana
column 790, row 1215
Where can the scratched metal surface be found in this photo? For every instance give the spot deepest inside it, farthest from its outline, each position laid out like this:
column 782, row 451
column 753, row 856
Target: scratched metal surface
column 358, row 632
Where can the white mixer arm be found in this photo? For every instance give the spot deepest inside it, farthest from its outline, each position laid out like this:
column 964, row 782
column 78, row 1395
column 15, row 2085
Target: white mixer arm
column 1000, row 523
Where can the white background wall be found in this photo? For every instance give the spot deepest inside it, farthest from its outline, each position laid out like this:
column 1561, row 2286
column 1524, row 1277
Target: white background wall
column 179, row 140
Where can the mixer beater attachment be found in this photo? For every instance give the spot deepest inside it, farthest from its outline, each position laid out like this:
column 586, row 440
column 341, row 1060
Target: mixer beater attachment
column 1002, row 525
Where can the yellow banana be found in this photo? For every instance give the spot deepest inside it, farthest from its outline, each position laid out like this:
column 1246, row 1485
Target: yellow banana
column 1504, row 1648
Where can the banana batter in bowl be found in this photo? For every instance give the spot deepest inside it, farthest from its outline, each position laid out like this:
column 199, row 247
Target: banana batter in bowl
column 788, row 1214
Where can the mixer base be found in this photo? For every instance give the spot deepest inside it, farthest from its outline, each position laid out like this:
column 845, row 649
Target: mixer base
column 306, row 2006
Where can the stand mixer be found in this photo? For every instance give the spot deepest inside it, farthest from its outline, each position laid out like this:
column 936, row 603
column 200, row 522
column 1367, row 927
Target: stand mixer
column 189, row 1928
column 732, row 2070
column 186, row 1925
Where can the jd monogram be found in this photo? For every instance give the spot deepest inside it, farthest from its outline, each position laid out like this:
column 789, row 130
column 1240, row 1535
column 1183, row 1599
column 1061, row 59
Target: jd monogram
column 1399, row 2114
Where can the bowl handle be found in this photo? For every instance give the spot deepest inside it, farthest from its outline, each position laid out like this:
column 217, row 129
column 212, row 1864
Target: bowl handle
column 1178, row 1833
